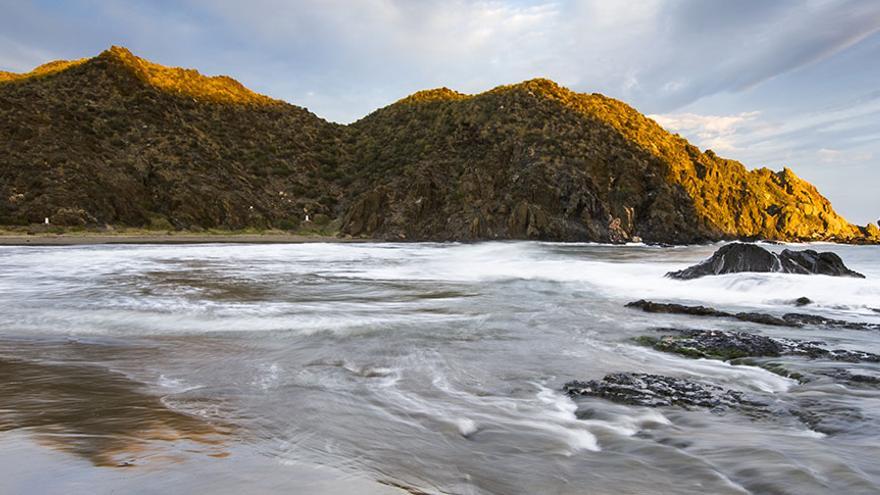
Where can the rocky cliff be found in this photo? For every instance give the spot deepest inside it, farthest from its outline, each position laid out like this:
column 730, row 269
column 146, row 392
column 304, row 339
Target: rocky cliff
column 116, row 139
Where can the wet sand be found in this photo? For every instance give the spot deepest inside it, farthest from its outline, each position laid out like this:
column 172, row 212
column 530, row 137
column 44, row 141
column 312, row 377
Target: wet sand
column 98, row 431
column 97, row 414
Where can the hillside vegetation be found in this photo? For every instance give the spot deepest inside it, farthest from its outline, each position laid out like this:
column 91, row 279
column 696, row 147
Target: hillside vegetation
column 119, row 140
column 114, row 140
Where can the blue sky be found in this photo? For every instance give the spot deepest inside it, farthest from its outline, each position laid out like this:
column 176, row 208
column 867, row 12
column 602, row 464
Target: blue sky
column 770, row 83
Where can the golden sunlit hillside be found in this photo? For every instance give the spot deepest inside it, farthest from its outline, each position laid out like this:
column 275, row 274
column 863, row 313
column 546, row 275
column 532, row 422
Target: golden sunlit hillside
column 186, row 82
column 43, row 70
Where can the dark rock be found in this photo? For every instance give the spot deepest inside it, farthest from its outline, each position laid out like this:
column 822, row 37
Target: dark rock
column 802, row 301
column 848, row 376
column 786, row 320
column 643, row 389
column 802, row 319
column 740, row 257
column 719, row 345
column 811, row 262
column 732, row 258
column 828, row 417
column 765, row 319
column 723, row 345
column 672, row 308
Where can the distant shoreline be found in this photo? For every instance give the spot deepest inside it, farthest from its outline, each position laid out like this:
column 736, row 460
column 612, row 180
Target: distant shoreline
column 273, row 237
column 94, row 239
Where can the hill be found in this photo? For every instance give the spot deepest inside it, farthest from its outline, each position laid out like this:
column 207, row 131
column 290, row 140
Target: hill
column 535, row 160
column 116, row 139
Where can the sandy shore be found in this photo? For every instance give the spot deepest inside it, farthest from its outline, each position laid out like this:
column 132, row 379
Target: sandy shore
column 86, row 239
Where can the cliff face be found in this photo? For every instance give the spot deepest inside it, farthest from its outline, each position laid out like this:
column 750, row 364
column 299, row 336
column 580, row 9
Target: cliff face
column 119, row 140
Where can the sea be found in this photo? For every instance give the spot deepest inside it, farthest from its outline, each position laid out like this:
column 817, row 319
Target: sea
column 421, row 368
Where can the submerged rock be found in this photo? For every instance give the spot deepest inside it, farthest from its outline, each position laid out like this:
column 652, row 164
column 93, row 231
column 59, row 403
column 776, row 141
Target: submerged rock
column 786, row 320
column 724, row 345
column 717, row 344
column 642, row 389
column 673, row 308
column 802, row 301
column 849, row 376
column 804, row 319
column 765, row 319
column 740, row 257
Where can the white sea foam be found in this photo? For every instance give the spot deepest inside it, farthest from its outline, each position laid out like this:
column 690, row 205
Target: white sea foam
column 712, row 370
column 176, row 385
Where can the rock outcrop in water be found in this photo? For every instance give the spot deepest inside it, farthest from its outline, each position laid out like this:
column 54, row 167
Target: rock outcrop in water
column 723, row 345
column 642, row 389
column 785, row 320
column 739, row 257
column 116, row 139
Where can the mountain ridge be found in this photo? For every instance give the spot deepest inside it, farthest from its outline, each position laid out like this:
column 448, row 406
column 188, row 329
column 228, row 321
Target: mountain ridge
column 527, row 160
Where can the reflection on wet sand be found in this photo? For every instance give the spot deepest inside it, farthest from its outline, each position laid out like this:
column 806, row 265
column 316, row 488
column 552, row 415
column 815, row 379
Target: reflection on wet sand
column 98, row 414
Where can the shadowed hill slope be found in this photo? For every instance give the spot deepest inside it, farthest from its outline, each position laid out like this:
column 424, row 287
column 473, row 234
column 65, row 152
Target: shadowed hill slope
column 119, row 140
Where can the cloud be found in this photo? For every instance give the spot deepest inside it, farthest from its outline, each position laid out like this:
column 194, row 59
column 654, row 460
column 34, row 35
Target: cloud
column 717, row 132
column 659, row 55
column 716, row 47
column 831, row 156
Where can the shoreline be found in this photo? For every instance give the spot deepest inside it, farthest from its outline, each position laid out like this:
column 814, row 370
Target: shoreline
column 96, row 239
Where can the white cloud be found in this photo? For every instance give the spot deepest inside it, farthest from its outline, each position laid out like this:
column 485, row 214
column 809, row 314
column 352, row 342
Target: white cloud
column 840, row 157
column 718, row 132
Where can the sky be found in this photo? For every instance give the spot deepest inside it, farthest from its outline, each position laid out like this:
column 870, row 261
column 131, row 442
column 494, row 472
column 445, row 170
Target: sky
column 777, row 83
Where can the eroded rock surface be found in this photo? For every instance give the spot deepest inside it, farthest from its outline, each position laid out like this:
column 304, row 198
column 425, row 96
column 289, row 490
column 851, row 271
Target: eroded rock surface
column 732, row 345
column 716, row 344
column 786, row 320
column 642, row 389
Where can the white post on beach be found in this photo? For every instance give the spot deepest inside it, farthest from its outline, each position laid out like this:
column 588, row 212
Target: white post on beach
column 307, row 217
column 46, row 221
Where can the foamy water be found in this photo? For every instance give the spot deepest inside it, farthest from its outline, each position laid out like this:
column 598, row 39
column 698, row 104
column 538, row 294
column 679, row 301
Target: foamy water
column 438, row 366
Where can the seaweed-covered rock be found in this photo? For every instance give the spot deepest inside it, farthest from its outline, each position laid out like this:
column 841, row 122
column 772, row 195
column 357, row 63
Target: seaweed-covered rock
column 719, row 344
column 854, row 378
column 642, row 389
column 740, row 257
column 804, row 319
column 815, row 350
column 786, row 320
column 673, row 308
column 765, row 319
